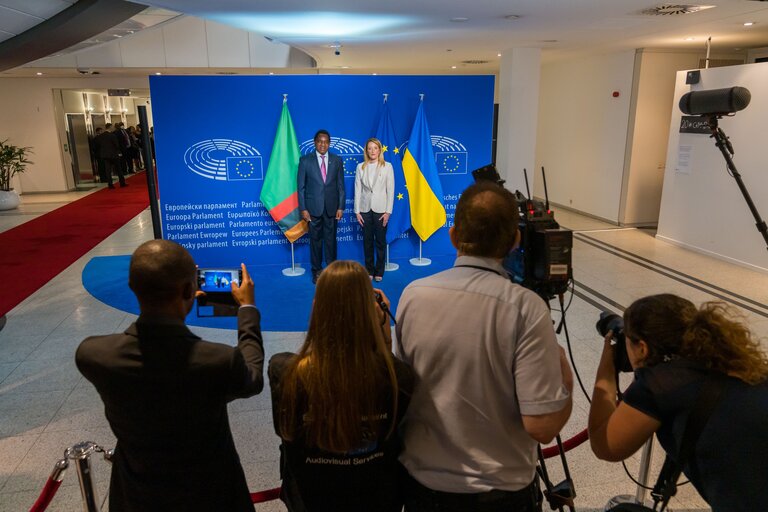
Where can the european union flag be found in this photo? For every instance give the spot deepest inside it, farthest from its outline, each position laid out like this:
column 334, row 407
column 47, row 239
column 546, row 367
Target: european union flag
column 400, row 220
column 242, row 168
column 451, row 162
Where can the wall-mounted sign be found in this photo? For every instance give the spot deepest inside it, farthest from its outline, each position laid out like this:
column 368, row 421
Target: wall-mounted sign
column 118, row 92
column 694, row 124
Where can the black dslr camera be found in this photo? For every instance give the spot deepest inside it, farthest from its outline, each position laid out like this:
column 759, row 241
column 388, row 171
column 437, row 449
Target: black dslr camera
column 613, row 322
column 542, row 261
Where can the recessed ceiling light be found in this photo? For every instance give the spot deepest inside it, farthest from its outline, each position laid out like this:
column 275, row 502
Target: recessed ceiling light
column 344, row 67
column 749, row 23
column 453, row 67
column 271, row 73
column 498, row 55
column 459, row 19
column 512, row 17
column 374, row 74
column 117, row 35
column 38, row 73
column 158, row 73
column 689, row 39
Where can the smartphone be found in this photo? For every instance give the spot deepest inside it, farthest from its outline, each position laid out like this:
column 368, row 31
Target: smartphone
column 212, row 280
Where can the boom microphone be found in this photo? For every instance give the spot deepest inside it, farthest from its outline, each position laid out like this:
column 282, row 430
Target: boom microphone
column 715, row 101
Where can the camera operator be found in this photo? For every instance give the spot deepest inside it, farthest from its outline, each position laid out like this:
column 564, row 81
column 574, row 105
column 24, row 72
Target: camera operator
column 676, row 350
column 165, row 391
column 492, row 380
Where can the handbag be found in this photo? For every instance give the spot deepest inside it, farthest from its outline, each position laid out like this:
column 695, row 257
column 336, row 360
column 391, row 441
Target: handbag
column 710, row 394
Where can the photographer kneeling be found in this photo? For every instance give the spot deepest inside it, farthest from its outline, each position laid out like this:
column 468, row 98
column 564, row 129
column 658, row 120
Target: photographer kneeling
column 676, row 351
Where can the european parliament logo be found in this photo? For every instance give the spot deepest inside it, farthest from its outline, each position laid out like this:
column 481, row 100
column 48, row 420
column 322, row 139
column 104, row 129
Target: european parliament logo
column 450, row 155
column 351, row 152
column 224, row 160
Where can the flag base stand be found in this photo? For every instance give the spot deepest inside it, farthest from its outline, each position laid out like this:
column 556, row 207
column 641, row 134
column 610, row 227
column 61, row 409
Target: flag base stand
column 420, row 262
column 295, row 270
column 390, row 267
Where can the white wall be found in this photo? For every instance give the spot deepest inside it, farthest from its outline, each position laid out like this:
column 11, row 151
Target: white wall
column 703, row 209
column 28, row 118
column 655, row 73
column 582, row 133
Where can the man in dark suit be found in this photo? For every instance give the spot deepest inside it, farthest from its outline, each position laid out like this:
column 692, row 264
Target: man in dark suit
column 321, row 200
column 165, row 391
column 109, row 152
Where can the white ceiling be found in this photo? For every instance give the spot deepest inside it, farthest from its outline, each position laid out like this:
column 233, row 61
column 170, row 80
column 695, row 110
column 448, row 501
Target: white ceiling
column 418, row 35
column 17, row 16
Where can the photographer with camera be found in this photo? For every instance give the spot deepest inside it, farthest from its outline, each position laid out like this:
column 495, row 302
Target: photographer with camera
column 165, row 391
column 701, row 384
column 492, row 379
column 337, row 404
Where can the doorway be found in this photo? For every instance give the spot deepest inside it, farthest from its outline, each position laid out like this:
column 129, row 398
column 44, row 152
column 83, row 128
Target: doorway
column 79, row 150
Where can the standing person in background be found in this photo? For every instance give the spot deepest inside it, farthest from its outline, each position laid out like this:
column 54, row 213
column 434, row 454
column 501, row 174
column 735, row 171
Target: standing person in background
column 337, row 403
column 374, row 198
column 95, row 151
column 140, row 147
column 124, row 140
column 321, row 200
column 677, row 350
column 109, row 152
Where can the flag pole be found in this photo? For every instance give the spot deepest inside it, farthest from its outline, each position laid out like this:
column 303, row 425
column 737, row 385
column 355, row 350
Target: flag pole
column 420, row 262
column 295, row 270
column 390, row 267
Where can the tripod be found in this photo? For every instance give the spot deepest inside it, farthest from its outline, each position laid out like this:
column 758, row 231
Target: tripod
column 725, row 147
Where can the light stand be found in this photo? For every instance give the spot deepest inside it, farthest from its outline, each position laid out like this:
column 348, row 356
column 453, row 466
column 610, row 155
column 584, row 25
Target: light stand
column 725, row 147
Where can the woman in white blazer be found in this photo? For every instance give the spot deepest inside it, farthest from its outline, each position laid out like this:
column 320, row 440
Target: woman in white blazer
column 374, row 197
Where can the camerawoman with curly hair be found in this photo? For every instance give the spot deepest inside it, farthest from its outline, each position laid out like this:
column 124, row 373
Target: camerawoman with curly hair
column 337, row 403
column 674, row 347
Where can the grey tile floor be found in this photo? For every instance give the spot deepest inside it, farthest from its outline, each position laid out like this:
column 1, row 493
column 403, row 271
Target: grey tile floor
column 46, row 406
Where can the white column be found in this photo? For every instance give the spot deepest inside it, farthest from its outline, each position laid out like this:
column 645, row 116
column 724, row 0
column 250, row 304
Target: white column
column 518, row 115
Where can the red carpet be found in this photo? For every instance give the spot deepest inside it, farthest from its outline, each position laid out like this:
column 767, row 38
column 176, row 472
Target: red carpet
column 33, row 253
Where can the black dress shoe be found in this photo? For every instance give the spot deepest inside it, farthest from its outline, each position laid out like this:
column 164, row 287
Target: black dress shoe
column 110, row 186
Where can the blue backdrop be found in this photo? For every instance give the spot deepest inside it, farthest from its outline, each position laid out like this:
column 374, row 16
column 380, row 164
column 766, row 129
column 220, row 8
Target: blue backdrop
column 213, row 137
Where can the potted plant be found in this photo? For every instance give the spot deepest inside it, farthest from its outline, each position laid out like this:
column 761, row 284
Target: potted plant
column 13, row 160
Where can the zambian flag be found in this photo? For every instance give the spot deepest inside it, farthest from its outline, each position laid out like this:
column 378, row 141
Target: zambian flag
column 279, row 193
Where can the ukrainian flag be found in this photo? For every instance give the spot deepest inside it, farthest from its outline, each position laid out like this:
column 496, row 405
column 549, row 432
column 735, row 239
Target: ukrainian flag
column 424, row 189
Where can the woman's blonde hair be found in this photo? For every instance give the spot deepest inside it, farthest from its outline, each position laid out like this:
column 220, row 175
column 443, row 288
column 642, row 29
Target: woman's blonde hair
column 331, row 392
column 376, row 141
column 673, row 327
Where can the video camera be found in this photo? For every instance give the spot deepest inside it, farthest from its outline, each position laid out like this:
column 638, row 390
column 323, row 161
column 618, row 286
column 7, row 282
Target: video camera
column 542, row 261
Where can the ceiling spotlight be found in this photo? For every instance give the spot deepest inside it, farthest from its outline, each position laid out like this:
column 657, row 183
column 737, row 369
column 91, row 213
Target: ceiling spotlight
column 512, row 17
column 158, row 73
column 271, row 73
column 374, row 74
column 459, row 19
column 689, row 39
column 453, row 67
column 749, row 23
column 498, row 55
column 39, row 73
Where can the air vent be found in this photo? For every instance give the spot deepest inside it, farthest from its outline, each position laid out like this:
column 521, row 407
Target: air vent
column 474, row 61
column 674, row 9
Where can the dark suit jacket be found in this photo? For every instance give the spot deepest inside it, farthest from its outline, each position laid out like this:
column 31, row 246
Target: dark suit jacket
column 165, row 394
column 108, row 145
column 314, row 195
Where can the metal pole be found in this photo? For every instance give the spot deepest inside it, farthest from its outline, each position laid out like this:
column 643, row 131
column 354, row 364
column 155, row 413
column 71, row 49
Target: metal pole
column 390, row 267
column 645, row 468
column 420, row 262
column 81, row 454
column 154, row 208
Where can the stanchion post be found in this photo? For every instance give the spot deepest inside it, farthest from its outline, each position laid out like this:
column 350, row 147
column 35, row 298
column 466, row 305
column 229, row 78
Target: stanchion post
column 81, row 454
column 645, row 468
column 149, row 166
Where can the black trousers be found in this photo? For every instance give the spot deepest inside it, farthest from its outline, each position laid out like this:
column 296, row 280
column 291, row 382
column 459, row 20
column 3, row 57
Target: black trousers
column 419, row 498
column 374, row 236
column 114, row 165
column 322, row 238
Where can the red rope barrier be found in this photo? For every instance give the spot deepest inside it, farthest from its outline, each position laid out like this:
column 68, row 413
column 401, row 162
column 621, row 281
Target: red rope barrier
column 268, row 495
column 568, row 444
column 46, row 495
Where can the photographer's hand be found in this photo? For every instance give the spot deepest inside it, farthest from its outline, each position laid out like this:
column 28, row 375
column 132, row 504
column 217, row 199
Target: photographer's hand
column 243, row 293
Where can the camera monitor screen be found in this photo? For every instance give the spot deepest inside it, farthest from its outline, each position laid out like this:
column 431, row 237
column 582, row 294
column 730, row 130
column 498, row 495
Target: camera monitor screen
column 217, row 279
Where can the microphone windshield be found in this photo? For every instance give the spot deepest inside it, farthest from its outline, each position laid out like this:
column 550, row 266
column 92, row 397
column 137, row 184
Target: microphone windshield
column 715, row 101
